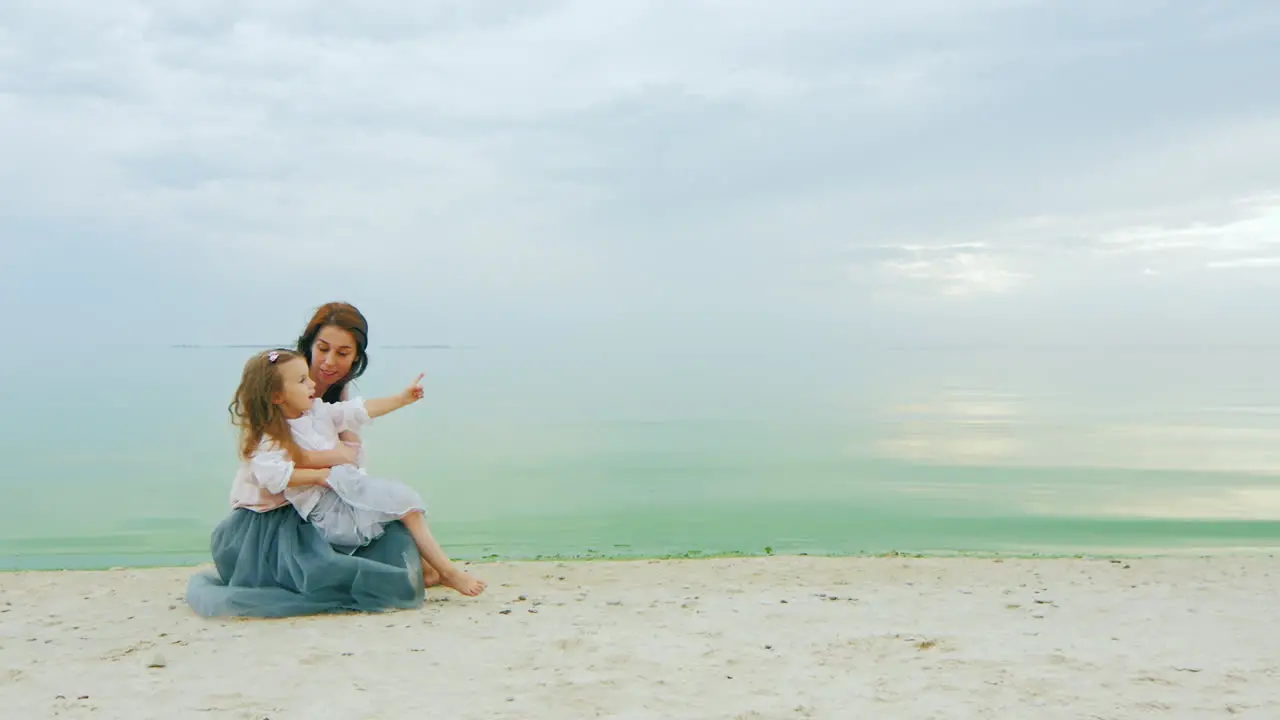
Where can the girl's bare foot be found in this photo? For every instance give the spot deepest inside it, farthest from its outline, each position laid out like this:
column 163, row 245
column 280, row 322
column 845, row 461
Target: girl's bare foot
column 463, row 582
column 430, row 578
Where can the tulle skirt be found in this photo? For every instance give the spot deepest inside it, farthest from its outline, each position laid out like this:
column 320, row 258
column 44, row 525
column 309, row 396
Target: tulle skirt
column 356, row 507
column 274, row 564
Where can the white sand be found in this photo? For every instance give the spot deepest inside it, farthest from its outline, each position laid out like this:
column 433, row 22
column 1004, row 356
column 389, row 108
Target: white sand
column 761, row 638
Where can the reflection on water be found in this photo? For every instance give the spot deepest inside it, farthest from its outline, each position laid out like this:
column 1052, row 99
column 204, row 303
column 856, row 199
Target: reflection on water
column 988, row 428
column 958, row 427
column 1239, row 445
column 1242, row 503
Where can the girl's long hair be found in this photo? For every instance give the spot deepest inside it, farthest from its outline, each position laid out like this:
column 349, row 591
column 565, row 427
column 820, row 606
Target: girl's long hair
column 252, row 409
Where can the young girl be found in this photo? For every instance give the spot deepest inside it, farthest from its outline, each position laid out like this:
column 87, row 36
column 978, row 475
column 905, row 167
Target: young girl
column 280, row 418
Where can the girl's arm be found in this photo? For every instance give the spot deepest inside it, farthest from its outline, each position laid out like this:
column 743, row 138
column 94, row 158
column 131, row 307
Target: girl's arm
column 391, row 403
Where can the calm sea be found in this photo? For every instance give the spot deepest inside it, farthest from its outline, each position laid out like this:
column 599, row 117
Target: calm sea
column 123, row 456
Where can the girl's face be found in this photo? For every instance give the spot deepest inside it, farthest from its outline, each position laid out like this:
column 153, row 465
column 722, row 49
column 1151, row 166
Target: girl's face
column 332, row 354
column 297, row 389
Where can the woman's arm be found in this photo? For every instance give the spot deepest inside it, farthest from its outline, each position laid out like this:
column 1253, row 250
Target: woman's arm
column 273, row 471
column 349, row 436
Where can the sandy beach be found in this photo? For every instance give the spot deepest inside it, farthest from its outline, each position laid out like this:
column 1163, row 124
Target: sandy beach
column 718, row 638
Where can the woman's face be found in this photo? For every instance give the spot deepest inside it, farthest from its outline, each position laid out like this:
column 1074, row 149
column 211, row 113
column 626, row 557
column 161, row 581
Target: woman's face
column 332, row 354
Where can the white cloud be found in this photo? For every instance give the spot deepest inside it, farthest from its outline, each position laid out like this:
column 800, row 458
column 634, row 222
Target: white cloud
column 957, row 273
column 1232, row 235
column 652, row 158
column 1251, row 262
column 1255, row 226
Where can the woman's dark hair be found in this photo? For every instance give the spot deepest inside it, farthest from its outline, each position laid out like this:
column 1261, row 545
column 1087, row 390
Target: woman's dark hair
column 344, row 316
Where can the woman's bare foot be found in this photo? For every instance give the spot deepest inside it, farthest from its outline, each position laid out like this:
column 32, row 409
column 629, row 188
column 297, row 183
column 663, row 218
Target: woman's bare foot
column 463, row 582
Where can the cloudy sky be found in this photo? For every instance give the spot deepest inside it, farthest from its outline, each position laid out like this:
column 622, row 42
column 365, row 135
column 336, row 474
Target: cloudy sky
column 479, row 171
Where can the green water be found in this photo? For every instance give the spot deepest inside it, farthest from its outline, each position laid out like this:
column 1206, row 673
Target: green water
column 124, row 456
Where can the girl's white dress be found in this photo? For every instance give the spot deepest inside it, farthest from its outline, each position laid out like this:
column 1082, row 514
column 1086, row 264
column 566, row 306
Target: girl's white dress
column 354, row 510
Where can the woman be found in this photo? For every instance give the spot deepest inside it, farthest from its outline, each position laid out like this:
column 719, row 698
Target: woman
column 271, row 563
column 335, row 344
